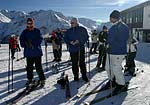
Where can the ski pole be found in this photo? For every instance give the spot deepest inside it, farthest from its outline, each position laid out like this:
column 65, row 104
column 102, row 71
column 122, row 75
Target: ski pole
column 110, row 73
column 9, row 72
column 12, row 76
column 89, row 62
column 46, row 55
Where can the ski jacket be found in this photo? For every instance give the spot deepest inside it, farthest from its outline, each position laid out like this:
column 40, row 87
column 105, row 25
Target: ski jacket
column 77, row 33
column 117, row 39
column 102, row 37
column 132, row 46
column 94, row 37
column 12, row 43
column 31, row 41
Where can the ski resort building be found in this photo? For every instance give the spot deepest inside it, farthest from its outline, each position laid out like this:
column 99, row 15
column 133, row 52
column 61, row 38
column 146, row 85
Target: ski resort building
column 138, row 20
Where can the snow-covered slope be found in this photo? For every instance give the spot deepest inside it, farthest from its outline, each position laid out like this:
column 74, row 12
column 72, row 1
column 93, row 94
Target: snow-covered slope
column 52, row 94
column 45, row 20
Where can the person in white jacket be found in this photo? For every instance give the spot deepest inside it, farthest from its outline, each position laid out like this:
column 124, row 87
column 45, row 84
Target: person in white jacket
column 94, row 39
column 130, row 62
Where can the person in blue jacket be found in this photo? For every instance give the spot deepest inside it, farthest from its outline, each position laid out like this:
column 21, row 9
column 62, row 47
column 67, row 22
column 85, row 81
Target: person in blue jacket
column 117, row 38
column 31, row 40
column 76, row 37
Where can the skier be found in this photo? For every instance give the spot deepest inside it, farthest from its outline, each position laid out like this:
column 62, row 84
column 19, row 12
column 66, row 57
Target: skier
column 117, row 49
column 60, row 38
column 102, row 49
column 76, row 37
column 31, row 40
column 132, row 49
column 56, row 47
column 94, row 42
column 12, row 45
column 18, row 46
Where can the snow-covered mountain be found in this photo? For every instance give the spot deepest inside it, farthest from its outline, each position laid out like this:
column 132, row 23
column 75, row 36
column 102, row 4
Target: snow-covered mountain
column 45, row 20
column 4, row 19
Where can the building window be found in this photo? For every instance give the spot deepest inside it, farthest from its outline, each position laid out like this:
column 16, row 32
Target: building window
column 136, row 20
column 130, row 21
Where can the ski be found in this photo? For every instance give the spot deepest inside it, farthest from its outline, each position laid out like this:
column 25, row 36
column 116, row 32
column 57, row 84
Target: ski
column 22, row 94
column 79, row 95
column 108, row 96
column 91, row 93
column 20, row 59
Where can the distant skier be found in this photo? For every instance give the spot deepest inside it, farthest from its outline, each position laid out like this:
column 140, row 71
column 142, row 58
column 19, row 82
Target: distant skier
column 117, row 49
column 132, row 49
column 56, row 47
column 94, row 38
column 60, row 39
column 31, row 40
column 76, row 37
column 12, row 45
column 18, row 46
column 102, row 49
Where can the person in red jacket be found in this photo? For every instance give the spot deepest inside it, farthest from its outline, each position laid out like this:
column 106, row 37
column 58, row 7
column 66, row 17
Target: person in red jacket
column 12, row 45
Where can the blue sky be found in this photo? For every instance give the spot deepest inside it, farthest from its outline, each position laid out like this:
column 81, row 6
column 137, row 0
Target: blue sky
column 94, row 9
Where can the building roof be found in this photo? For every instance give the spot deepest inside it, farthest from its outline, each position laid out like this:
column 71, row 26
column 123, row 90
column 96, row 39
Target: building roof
column 137, row 6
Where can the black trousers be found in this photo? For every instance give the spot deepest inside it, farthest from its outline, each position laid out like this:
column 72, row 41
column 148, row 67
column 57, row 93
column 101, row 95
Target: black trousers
column 13, row 52
column 60, row 51
column 102, row 56
column 78, row 60
column 56, row 54
column 94, row 45
column 38, row 66
column 130, row 63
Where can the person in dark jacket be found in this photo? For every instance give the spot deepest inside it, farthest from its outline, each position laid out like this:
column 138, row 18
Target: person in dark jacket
column 60, row 39
column 102, row 49
column 76, row 37
column 117, row 38
column 31, row 40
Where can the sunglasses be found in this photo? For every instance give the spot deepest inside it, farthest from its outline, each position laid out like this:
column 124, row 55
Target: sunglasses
column 72, row 23
column 29, row 23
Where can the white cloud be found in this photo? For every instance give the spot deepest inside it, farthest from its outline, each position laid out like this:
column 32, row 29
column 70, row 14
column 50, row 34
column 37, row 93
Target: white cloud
column 117, row 2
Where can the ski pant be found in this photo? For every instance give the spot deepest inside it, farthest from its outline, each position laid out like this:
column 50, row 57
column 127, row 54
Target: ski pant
column 130, row 63
column 13, row 52
column 114, row 68
column 60, row 50
column 94, row 45
column 38, row 66
column 102, row 56
column 56, row 53
column 78, row 60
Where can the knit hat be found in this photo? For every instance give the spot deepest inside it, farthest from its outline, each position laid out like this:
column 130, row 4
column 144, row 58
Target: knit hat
column 115, row 14
column 104, row 27
column 30, row 20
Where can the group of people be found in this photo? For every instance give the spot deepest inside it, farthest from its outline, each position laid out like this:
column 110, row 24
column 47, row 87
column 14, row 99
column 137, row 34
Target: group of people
column 56, row 38
column 112, row 47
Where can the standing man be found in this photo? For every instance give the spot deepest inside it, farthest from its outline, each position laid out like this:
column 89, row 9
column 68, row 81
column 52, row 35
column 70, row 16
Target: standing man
column 76, row 37
column 31, row 40
column 102, row 49
column 117, row 49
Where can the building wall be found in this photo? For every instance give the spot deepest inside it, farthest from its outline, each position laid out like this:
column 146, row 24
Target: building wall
column 146, row 18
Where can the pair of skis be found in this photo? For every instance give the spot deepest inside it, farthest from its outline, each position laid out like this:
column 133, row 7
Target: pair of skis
column 107, row 96
column 22, row 94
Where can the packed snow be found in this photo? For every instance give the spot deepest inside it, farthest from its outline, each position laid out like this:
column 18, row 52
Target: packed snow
column 52, row 94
